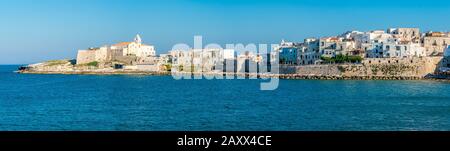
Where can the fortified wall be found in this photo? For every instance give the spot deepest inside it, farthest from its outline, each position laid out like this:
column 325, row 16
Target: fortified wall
column 85, row 56
column 377, row 67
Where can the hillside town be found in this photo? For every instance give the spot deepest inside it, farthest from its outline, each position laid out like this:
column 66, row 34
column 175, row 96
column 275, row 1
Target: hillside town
column 393, row 43
column 422, row 53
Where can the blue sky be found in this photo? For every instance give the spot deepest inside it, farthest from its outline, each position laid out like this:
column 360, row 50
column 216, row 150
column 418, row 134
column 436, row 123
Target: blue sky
column 33, row 31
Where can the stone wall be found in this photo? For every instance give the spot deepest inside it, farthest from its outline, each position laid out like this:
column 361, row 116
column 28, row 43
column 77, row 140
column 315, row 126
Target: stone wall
column 85, row 56
column 127, row 60
column 143, row 67
column 413, row 67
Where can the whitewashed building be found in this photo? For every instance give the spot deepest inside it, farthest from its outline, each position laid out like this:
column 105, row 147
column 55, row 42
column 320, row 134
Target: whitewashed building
column 327, row 46
column 135, row 48
column 308, row 52
column 396, row 50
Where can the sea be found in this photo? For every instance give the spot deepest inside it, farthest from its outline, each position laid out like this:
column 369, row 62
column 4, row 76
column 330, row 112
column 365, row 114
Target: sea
column 33, row 102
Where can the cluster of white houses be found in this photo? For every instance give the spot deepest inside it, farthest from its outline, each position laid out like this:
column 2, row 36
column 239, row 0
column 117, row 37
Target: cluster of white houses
column 393, row 43
column 396, row 43
column 210, row 60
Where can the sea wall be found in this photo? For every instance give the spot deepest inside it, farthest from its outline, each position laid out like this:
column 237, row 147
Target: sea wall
column 369, row 68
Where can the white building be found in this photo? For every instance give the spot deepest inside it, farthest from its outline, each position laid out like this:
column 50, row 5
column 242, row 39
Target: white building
column 376, row 36
column 135, row 52
column 435, row 42
column 394, row 50
column 135, row 48
column 406, row 34
column 447, row 52
column 308, row 52
column 288, row 52
column 198, row 60
column 446, row 60
column 327, row 46
column 229, row 54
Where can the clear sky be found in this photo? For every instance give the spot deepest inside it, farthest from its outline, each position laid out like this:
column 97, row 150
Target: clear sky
column 32, row 31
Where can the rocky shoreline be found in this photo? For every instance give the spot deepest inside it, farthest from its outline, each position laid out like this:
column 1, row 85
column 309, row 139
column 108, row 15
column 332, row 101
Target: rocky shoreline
column 314, row 72
column 95, row 72
column 246, row 75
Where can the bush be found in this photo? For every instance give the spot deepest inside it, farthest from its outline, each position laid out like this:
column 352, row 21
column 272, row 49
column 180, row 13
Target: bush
column 326, row 59
column 93, row 63
column 56, row 62
column 168, row 67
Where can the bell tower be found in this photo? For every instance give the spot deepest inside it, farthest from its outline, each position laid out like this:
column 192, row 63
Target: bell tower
column 138, row 39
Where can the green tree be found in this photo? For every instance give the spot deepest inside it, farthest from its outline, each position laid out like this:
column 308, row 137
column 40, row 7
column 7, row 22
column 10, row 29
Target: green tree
column 93, row 63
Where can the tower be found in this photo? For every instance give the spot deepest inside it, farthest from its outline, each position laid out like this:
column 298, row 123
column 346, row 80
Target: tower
column 137, row 39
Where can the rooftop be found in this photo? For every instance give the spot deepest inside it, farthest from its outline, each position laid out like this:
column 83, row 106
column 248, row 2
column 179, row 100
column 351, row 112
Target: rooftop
column 122, row 44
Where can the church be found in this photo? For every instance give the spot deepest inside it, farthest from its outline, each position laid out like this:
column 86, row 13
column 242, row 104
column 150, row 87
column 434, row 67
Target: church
column 130, row 53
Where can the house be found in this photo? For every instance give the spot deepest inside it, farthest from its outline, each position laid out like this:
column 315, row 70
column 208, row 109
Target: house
column 406, row 34
column 288, row 52
column 435, row 42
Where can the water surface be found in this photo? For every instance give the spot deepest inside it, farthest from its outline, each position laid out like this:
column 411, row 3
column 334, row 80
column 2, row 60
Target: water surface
column 124, row 102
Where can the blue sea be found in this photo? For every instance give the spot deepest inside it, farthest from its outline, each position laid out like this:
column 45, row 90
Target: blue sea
column 127, row 102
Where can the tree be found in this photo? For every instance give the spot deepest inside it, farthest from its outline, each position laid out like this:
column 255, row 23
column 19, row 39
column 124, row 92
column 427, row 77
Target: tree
column 93, row 63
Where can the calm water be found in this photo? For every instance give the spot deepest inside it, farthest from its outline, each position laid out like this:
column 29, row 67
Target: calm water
column 89, row 102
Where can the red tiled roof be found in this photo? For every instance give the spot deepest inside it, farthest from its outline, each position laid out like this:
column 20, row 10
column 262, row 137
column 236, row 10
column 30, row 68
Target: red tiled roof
column 122, row 44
